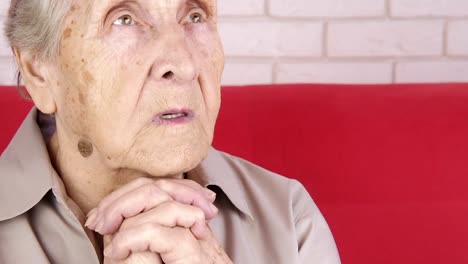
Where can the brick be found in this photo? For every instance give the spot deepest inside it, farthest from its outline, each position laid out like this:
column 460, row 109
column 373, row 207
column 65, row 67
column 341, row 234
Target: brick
column 335, row 72
column 241, row 7
column 8, row 71
column 457, row 38
column 247, row 72
column 407, row 8
column 385, row 38
column 327, row 8
column 432, row 71
column 272, row 38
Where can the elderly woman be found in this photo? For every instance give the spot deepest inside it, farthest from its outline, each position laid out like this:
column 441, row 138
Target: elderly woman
column 115, row 165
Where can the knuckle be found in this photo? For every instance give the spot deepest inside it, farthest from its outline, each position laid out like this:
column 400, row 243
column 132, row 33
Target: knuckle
column 127, row 223
column 151, row 229
column 162, row 183
column 156, row 193
column 191, row 182
column 198, row 214
column 152, row 190
column 171, row 207
column 119, row 241
column 184, row 235
column 143, row 180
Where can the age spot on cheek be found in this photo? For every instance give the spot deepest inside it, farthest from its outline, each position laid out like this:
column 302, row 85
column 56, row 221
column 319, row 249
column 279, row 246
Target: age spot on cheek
column 67, row 33
column 88, row 77
column 81, row 98
column 74, row 8
column 85, row 148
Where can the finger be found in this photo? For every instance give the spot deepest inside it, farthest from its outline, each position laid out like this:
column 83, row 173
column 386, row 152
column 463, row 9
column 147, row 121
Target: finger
column 172, row 214
column 184, row 191
column 143, row 181
column 132, row 203
column 140, row 258
column 116, row 194
column 93, row 217
column 177, row 242
column 210, row 195
column 145, row 198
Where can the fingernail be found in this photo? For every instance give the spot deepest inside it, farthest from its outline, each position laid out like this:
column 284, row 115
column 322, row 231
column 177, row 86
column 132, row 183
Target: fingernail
column 210, row 193
column 93, row 211
column 91, row 219
column 99, row 226
column 108, row 251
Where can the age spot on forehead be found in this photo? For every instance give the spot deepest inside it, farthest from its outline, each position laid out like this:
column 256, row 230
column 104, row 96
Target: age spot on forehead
column 85, row 148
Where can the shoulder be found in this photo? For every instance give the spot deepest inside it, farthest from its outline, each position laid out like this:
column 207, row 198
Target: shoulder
column 261, row 183
column 282, row 206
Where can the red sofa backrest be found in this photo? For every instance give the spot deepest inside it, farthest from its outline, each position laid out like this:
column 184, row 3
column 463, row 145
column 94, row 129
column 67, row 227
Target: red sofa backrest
column 387, row 164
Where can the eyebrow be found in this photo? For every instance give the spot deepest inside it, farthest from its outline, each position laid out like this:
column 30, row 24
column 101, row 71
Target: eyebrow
column 203, row 4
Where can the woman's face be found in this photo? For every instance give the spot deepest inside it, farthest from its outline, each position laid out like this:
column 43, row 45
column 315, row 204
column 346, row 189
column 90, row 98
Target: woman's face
column 140, row 80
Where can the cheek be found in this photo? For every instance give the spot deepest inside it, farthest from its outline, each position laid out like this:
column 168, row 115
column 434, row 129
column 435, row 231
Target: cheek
column 207, row 43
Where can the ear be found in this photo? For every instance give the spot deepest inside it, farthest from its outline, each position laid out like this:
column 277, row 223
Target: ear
column 36, row 77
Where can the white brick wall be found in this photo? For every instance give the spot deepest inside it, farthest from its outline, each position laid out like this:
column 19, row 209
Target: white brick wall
column 325, row 8
column 272, row 38
column 334, row 41
column 412, row 8
column 457, row 39
column 384, row 38
column 432, row 71
column 334, row 72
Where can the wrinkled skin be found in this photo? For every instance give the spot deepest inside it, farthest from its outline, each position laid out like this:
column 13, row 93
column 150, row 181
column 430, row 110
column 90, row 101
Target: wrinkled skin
column 112, row 80
column 120, row 65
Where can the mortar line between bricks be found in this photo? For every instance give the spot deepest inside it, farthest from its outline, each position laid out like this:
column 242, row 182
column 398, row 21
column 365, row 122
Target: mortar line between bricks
column 332, row 19
column 368, row 61
column 388, row 8
column 333, row 58
column 325, row 39
column 274, row 73
column 445, row 39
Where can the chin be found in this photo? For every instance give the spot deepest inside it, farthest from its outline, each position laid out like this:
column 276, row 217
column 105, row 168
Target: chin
column 174, row 161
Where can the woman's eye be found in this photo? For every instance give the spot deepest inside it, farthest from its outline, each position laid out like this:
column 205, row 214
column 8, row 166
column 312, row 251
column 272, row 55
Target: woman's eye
column 125, row 20
column 196, row 18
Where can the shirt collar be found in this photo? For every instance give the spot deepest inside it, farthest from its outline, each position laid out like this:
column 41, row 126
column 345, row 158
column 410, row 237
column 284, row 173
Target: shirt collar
column 27, row 174
column 216, row 170
column 25, row 170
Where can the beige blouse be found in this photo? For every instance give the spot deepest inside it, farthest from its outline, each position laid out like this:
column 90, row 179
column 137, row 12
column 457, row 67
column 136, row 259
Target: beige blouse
column 263, row 217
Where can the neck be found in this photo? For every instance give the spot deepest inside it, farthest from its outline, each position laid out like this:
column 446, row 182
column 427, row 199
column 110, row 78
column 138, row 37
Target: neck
column 87, row 179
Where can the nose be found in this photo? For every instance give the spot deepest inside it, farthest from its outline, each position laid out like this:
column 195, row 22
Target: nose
column 174, row 60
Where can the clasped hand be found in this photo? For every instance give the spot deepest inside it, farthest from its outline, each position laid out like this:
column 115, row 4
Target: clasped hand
column 158, row 221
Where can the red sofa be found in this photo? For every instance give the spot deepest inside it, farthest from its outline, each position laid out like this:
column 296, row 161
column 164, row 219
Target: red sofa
column 387, row 164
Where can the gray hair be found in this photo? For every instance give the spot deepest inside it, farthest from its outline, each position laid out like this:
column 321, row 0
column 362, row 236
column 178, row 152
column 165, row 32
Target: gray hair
column 35, row 26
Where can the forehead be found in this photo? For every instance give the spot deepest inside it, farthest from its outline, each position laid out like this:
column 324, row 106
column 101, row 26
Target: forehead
column 99, row 4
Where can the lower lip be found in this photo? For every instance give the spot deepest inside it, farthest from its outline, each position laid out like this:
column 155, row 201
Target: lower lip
column 176, row 121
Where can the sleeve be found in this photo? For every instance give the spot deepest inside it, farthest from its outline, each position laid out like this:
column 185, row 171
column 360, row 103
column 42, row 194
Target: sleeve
column 314, row 238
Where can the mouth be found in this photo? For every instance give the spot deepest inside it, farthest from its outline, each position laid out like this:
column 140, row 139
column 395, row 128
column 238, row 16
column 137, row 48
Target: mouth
column 173, row 117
